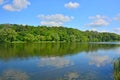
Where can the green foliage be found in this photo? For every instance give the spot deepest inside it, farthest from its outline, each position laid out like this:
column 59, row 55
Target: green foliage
column 55, row 37
column 117, row 69
column 25, row 33
column 29, row 38
column 7, row 35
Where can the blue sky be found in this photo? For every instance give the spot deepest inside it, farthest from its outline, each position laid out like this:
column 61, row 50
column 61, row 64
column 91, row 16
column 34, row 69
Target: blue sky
column 98, row 15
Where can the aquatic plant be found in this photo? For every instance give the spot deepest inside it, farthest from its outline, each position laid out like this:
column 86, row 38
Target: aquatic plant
column 117, row 69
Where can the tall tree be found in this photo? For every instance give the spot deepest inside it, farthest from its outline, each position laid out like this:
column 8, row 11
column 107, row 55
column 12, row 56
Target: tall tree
column 7, row 35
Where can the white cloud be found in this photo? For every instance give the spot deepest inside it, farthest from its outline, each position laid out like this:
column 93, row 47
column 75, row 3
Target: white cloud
column 17, row 5
column 1, row 2
column 54, row 20
column 103, row 31
column 51, row 23
column 117, row 30
column 97, row 17
column 98, row 21
column 94, row 29
column 117, row 17
column 72, row 5
column 99, row 30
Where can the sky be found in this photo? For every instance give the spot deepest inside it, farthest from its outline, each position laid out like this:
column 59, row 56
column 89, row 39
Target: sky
column 97, row 15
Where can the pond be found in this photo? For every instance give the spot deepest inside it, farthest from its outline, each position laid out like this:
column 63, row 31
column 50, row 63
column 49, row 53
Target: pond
column 60, row 61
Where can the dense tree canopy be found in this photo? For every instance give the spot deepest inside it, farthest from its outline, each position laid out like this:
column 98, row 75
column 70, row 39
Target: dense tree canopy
column 26, row 33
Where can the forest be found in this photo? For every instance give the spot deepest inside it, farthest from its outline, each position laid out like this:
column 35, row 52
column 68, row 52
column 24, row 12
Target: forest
column 26, row 33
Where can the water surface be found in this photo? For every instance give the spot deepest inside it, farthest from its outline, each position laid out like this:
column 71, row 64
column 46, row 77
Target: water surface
column 58, row 61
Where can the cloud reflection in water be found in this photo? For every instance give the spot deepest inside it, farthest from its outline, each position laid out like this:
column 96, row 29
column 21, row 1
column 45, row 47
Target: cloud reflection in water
column 57, row 62
column 98, row 60
column 14, row 75
column 79, row 76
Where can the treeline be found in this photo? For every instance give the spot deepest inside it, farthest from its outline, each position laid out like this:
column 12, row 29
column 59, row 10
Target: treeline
column 26, row 33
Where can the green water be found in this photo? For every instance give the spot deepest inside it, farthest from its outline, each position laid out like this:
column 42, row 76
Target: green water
column 59, row 61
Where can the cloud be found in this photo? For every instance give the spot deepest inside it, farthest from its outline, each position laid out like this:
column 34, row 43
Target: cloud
column 98, row 21
column 51, row 23
column 117, row 17
column 103, row 31
column 99, row 30
column 117, row 30
column 94, row 29
column 54, row 62
column 1, row 2
column 72, row 5
column 17, row 5
column 54, row 20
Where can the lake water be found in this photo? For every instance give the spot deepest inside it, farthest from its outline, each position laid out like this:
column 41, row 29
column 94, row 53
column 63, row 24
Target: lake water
column 59, row 61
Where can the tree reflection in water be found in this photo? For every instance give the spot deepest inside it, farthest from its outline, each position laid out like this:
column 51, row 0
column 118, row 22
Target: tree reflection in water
column 23, row 51
column 61, row 58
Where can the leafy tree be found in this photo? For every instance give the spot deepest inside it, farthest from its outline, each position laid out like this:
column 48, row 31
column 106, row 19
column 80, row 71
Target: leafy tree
column 29, row 38
column 55, row 37
column 26, row 33
column 7, row 35
column 72, row 38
